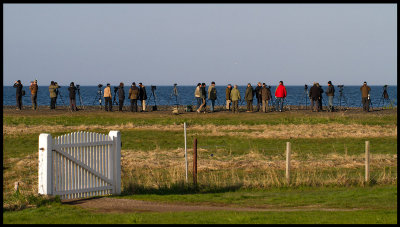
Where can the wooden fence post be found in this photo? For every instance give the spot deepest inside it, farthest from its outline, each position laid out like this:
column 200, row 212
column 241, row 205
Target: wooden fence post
column 195, row 162
column 288, row 162
column 186, row 160
column 45, row 164
column 116, row 136
column 366, row 161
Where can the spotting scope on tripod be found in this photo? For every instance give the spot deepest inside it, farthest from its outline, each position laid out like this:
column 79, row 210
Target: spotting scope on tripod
column 341, row 96
column 99, row 95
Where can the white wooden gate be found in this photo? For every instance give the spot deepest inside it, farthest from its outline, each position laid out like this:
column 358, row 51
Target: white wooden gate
column 80, row 164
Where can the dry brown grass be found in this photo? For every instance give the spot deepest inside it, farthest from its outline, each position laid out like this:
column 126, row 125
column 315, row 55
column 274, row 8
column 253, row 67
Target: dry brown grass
column 257, row 131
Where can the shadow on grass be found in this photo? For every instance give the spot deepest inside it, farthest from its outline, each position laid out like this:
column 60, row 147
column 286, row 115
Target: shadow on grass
column 178, row 188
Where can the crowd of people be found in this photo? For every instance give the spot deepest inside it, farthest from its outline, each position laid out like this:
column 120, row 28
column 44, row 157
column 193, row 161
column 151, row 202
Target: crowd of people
column 262, row 93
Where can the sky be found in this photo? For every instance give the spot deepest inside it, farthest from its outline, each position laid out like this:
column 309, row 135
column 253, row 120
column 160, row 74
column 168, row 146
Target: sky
column 163, row 44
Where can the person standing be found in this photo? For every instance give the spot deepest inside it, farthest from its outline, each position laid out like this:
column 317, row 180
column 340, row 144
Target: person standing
column 34, row 89
column 197, row 95
column 72, row 96
column 280, row 94
column 228, row 96
column 265, row 97
column 314, row 96
column 107, row 98
column 18, row 94
column 321, row 91
column 212, row 95
column 365, row 96
column 235, row 97
column 203, row 96
column 133, row 96
column 142, row 96
column 121, row 96
column 330, row 92
column 53, row 94
column 258, row 96
column 248, row 96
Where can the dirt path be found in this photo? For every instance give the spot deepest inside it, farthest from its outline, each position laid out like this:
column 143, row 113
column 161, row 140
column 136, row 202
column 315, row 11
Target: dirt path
column 112, row 205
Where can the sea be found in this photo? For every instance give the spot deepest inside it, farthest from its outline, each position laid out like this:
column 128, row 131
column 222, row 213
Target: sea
column 184, row 95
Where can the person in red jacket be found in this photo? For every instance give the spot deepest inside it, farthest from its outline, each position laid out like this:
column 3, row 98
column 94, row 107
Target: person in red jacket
column 280, row 94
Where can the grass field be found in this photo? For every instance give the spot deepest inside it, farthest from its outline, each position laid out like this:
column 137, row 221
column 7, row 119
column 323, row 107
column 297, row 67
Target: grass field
column 241, row 163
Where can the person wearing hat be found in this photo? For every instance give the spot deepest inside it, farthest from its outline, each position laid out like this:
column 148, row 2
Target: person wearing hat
column 228, row 96
column 18, row 94
column 330, row 92
column 280, row 95
column 72, row 96
column 107, row 98
column 34, row 89
column 133, row 96
column 365, row 96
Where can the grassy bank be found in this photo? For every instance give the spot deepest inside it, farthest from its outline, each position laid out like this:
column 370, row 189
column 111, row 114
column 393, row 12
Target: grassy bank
column 241, row 162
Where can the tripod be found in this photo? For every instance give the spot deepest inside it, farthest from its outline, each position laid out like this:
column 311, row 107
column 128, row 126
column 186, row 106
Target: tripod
column 80, row 98
column 98, row 97
column 115, row 102
column 59, row 93
column 153, row 94
column 305, row 96
column 384, row 97
column 341, row 96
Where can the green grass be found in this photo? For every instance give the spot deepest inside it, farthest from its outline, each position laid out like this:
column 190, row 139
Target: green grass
column 217, row 145
column 378, row 205
column 115, row 118
column 369, row 197
column 68, row 215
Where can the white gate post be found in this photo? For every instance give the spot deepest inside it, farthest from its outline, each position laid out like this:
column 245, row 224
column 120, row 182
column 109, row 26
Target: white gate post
column 45, row 164
column 116, row 158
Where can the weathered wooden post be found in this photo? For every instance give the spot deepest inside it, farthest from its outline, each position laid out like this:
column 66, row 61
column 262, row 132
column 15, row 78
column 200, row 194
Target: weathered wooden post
column 186, row 160
column 288, row 162
column 195, row 162
column 366, row 161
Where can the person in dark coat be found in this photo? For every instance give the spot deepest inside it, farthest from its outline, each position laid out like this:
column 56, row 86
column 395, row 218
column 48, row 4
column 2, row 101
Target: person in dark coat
column 265, row 96
column 121, row 96
column 212, row 95
column 18, row 94
column 133, row 96
column 314, row 95
column 257, row 91
column 72, row 96
column 249, row 97
column 142, row 96
column 321, row 91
